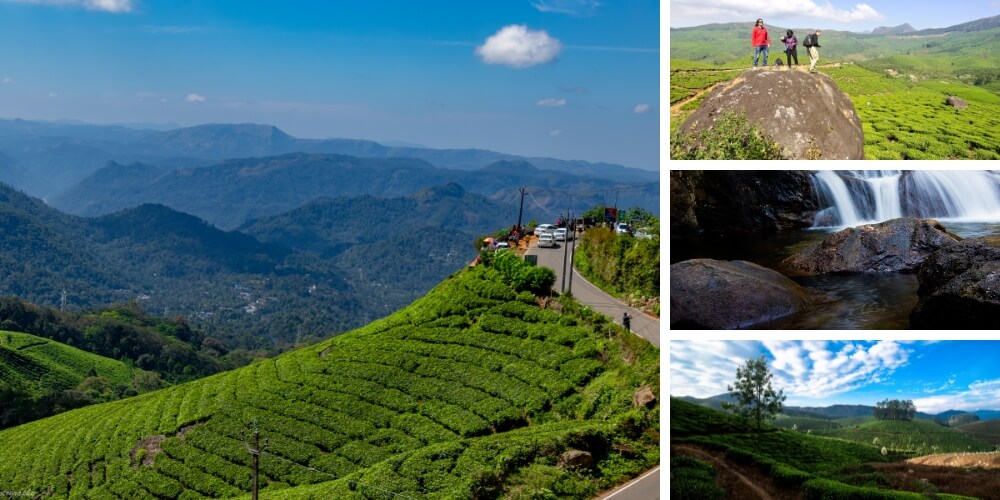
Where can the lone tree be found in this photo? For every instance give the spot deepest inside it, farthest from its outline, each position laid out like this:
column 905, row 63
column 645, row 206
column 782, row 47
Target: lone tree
column 755, row 398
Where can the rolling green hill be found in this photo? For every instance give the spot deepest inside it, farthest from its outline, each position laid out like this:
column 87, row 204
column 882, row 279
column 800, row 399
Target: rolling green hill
column 987, row 431
column 898, row 83
column 41, row 365
column 471, row 390
column 920, row 437
column 795, row 463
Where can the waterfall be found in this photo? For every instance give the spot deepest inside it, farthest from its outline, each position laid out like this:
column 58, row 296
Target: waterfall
column 855, row 197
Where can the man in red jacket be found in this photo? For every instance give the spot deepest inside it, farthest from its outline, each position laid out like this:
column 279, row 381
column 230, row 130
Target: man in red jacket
column 760, row 41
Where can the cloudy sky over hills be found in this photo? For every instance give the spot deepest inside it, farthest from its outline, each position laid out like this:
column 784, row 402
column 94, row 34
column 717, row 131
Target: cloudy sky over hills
column 849, row 15
column 575, row 79
column 937, row 376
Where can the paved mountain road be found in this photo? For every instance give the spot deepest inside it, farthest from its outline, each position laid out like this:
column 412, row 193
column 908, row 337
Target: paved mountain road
column 643, row 325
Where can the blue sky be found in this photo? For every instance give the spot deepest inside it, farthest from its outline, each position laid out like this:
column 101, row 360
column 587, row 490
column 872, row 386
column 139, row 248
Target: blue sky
column 937, row 376
column 575, row 79
column 850, row 15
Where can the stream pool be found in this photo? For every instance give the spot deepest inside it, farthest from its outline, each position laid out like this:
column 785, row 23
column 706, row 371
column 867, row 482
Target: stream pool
column 844, row 301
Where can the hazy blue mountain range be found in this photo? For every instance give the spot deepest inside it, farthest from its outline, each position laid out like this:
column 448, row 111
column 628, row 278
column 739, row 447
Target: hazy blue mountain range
column 838, row 411
column 171, row 263
column 234, row 192
column 894, row 30
column 47, row 158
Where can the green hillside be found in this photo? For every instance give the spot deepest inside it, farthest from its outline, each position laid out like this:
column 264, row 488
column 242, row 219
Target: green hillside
column 987, row 431
column 41, row 365
column 921, row 437
column 898, row 84
column 471, row 390
column 797, row 464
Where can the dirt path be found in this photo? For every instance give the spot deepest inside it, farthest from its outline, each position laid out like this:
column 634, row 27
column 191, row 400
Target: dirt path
column 984, row 460
column 724, row 469
column 675, row 109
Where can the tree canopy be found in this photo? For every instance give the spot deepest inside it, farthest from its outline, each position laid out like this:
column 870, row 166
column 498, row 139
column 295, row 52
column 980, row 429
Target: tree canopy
column 755, row 399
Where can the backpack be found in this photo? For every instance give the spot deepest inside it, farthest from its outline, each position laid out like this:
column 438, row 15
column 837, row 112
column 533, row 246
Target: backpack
column 810, row 40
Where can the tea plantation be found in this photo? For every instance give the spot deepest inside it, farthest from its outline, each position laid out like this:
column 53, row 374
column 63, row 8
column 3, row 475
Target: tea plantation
column 37, row 366
column 472, row 391
column 794, row 462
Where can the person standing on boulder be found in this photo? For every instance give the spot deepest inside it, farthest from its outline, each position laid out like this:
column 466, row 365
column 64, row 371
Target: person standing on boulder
column 760, row 41
column 812, row 45
column 791, row 48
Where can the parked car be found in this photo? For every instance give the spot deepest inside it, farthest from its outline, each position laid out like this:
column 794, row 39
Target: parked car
column 545, row 229
column 643, row 234
column 562, row 234
column 546, row 240
column 503, row 245
column 621, row 228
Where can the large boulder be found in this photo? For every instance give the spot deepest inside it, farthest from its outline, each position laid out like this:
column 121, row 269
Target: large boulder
column 740, row 201
column 805, row 113
column 959, row 288
column 708, row 293
column 895, row 245
column 956, row 102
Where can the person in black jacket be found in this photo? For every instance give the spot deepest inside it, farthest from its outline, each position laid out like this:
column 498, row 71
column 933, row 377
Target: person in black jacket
column 791, row 48
column 812, row 45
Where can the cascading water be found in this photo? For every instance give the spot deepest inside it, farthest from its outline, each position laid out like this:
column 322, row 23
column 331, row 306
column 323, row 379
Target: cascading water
column 855, row 197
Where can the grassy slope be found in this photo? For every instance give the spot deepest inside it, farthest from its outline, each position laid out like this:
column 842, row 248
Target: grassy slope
column 40, row 366
column 793, row 460
column 468, row 390
column 901, row 119
column 916, row 436
column 987, row 431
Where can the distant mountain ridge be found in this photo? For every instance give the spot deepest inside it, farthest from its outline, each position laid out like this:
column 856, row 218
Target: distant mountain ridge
column 234, row 192
column 46, row 158
column 895, row 30
column 837, row 411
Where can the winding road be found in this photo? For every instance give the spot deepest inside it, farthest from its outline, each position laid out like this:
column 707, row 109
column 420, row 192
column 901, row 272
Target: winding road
column 646, row 486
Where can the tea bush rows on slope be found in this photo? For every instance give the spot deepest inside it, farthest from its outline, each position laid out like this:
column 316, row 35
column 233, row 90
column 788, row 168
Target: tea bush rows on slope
column 334, row 410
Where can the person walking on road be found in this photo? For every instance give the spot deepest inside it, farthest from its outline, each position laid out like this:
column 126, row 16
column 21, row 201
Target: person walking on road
column 627, row 321
column 811, row 44
column 761, row 42
column 791, row 48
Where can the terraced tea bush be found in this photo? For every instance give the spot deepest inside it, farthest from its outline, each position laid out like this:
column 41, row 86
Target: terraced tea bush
column 455, row 396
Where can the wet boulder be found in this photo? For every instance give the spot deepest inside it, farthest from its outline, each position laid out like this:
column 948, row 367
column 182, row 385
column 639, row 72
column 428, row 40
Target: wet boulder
column 805, row 113
column 959, row 288
column 715, row 294
column 896, row 245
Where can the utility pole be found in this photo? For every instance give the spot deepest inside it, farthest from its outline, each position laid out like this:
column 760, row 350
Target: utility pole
column 520, row 211
column 62, row 300
column 572, row 254
column 255, row 452
column 562, row 286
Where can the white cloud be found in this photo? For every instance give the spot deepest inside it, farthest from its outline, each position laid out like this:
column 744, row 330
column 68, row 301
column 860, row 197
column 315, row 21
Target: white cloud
column 518, row 47
column 551, row 102
column 195, row 98
column 980, row 395
column 555, row 133
column 579, row 8
column 8, row 80
column 53, row 94
column 640, row 108
column 102, row 5
column 806, row 369
column 688, row 11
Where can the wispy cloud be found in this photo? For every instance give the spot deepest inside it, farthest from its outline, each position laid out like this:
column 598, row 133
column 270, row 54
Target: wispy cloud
column 808, row 369
column 8, row 80
column 53, row 94
column 519, row 47
column 555, row 133
column 195, row 98
column 101, row 5
column 551, row 102
column 979, row 395
column 640, row 108
column 725, row 10
column 578, row 8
